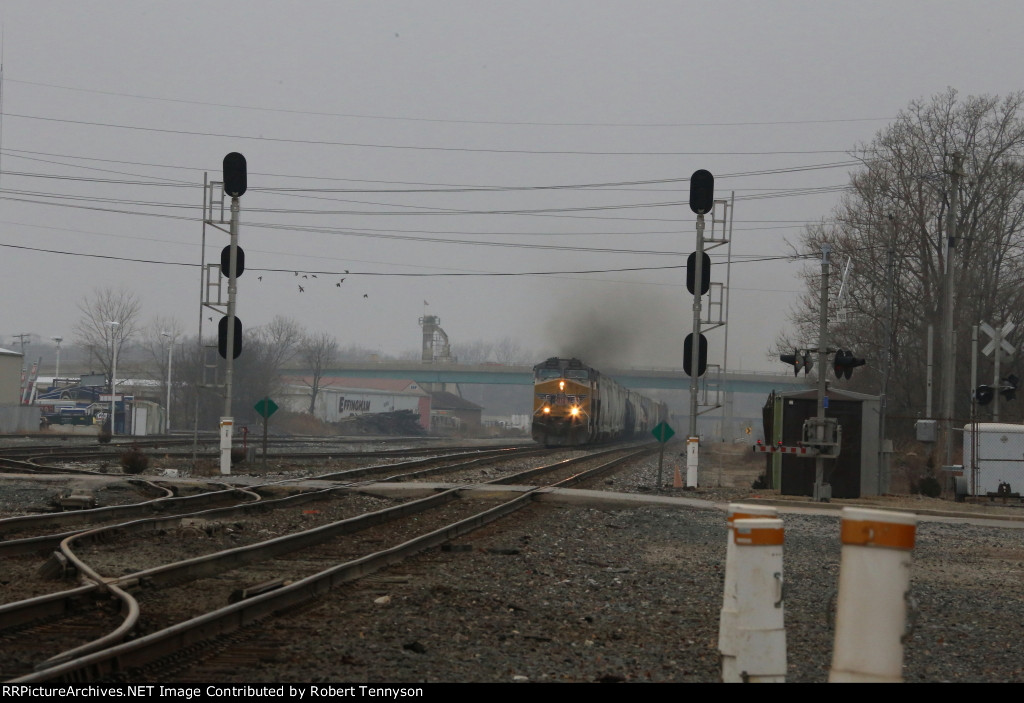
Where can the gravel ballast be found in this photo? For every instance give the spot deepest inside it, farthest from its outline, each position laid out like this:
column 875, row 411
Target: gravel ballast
column 607, row 593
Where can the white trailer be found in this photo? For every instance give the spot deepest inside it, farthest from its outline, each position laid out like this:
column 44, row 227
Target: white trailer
column 994, row 457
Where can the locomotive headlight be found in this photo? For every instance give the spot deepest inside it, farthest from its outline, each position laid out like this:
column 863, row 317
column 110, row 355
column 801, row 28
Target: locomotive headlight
column 561, row 385
column 574, row 411
column 546, row 410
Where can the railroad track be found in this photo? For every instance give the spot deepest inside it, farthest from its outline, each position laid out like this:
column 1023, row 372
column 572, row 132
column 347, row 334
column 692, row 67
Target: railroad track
column 52, row 458
column 283, row 571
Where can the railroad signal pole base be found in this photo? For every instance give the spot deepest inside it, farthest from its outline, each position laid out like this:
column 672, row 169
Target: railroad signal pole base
column 822, row 492
column 226, row 432
column 692, row 460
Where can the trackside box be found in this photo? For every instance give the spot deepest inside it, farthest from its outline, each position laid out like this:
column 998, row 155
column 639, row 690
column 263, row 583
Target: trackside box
column 994, row 455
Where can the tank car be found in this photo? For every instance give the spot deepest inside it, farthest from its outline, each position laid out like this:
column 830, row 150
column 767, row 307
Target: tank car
column 575, row 404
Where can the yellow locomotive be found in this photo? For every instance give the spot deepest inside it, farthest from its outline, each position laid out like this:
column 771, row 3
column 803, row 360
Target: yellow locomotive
column 575, row 404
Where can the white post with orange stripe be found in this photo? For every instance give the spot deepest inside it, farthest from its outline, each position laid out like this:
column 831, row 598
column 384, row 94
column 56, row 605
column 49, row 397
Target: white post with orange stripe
column 727, row 640
column 692, row 461
column 758, row 638
column 874, row 578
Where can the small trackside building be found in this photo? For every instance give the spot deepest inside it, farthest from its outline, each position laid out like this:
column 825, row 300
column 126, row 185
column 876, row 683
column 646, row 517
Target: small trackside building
column 339, row 398
column 14, row 417
column 854, row 473
column 452, row 414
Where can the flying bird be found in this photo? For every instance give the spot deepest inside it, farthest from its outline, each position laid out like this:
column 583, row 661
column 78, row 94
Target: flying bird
column 305, row 276
column 365, row 295
column 296, row 273
column 337, row 285
column 301, row 289
column 259, row 278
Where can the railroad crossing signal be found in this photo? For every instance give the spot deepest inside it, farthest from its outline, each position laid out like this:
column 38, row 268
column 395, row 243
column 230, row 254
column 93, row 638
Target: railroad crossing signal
column 998, row 338
column 984, row 394
column 845, row 362
column 799, row 359
column 1009, row 391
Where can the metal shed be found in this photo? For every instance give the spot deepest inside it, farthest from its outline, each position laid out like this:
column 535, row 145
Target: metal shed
column 856, row 472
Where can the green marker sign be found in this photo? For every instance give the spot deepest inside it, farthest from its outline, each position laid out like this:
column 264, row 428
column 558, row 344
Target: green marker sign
column 267, row 407
column 663, row 432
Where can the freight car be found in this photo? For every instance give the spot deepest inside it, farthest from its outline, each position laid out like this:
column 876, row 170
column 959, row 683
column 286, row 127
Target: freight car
column 575, row 404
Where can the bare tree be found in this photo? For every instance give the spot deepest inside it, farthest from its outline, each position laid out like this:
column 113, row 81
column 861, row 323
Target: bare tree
column 280, row 338
column 509, row 351
column 317, row 352
column 163, row 334
column 256, row 371
column 505, row 351
column 893, row 227
column 109, row 322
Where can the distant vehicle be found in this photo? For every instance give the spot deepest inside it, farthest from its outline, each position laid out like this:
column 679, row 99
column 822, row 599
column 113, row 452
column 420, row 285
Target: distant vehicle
column 67, row 416
column 81, row 394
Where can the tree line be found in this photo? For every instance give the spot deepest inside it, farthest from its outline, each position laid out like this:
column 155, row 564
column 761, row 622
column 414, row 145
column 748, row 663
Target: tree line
column 148, row 351
column 892, row 226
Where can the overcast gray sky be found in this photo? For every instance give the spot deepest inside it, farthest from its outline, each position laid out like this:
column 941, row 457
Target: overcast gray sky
column 394, row 143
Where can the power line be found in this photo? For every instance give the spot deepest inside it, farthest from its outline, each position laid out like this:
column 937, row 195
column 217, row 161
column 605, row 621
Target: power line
column 425, row 187
column 363, row 145
column 110, row 257
column 450, row 120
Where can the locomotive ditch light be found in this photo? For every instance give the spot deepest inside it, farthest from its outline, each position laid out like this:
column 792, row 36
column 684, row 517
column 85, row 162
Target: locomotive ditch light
column 574, row 412
column 546, row 409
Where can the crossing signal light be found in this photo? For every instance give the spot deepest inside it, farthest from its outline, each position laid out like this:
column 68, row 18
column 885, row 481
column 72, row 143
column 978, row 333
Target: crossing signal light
column 1009, row 391
column 234, row 174
column 702, row 192
column 845, row 362
column 702, row 355
column 808, row 362
column 984, row 394
column 793, row 360
column 705, row 272
column 798, row 360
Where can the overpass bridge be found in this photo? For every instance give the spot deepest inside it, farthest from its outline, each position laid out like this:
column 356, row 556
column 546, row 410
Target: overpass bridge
column 499, row 374
column 503, row 390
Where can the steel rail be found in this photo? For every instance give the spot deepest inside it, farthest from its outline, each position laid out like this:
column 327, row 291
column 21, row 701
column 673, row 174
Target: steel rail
column 145, row 649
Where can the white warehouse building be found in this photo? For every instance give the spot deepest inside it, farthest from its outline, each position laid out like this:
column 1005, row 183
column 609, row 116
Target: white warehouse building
column 339, row 398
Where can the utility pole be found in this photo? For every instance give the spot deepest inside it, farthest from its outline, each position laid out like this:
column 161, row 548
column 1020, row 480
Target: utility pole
column 890, row 276
column 948, row 372
column 822, row 490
